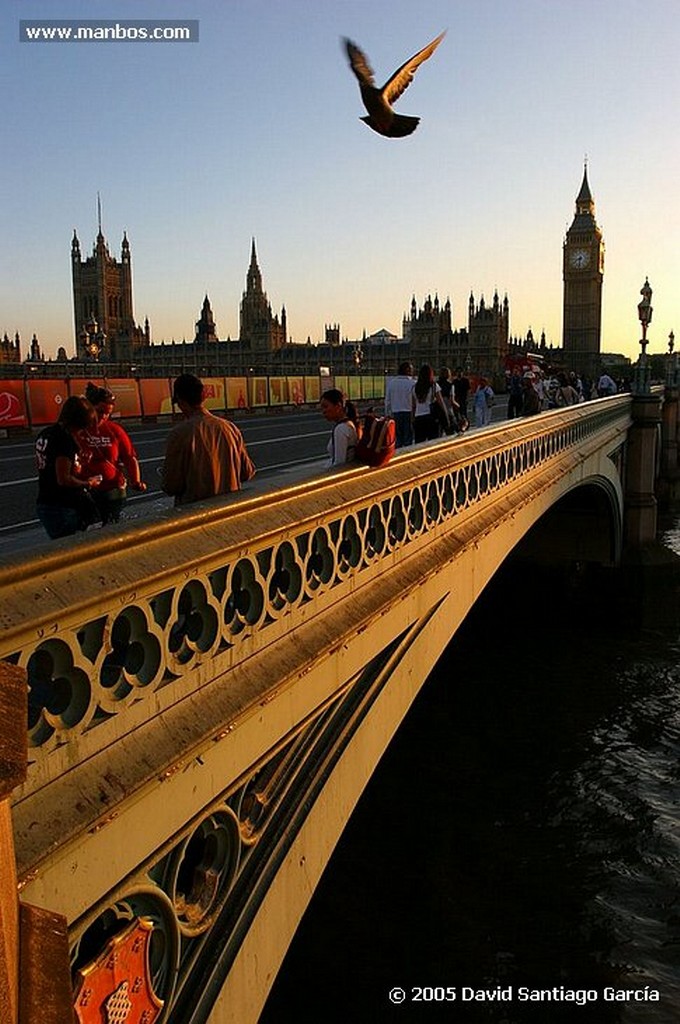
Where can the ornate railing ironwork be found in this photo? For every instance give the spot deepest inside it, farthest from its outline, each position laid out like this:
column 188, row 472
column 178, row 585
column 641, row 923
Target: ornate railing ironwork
column 118, row 634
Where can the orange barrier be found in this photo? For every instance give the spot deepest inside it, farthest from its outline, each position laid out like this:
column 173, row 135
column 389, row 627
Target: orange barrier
column 35, row 402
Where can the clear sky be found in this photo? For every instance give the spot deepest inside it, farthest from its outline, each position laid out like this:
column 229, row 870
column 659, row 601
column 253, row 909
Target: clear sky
column 254, row 131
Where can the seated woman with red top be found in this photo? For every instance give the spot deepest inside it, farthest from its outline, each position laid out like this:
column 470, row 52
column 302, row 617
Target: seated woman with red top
column 108, row 452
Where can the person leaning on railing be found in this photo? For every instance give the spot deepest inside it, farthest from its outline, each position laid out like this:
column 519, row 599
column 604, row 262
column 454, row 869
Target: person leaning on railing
column 205, row 455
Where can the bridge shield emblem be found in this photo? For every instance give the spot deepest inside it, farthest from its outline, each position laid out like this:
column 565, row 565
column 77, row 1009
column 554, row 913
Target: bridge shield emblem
column 116, row 988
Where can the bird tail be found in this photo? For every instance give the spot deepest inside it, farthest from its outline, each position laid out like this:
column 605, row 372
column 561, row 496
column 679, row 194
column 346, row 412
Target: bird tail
column 402, row 125
column 398, row 126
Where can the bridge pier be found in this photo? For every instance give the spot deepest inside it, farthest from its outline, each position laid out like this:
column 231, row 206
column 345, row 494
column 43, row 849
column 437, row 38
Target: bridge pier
column 640, row 505
column 668, row 484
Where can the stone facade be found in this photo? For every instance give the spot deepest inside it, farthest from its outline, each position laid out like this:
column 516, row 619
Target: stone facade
column 489, row 331
column 10, row 351
column 480, row 348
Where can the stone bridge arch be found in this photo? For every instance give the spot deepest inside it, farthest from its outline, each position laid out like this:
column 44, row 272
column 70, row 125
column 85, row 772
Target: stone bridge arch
column 210, row 700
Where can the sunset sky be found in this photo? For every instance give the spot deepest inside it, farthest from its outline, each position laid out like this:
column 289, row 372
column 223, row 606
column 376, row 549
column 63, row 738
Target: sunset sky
column 254, row 131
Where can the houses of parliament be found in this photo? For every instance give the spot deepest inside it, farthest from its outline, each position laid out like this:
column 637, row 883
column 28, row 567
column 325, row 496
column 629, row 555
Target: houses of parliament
column 105, row 330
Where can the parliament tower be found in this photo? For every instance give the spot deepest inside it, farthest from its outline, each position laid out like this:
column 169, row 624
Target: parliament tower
column 583, row 272
column 260, row 331
column 102, row 303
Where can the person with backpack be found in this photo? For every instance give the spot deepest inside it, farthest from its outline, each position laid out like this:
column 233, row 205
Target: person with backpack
column 344, row 436
column 427, row 405
column 445, row 382
column 565, row 394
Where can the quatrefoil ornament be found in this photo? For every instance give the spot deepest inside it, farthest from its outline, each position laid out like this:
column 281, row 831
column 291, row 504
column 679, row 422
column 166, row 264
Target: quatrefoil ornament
column 245, row 603
column 194, row 630
column 134, row 657
column 320, row 561
column 60, row 694
column 285, row 586
column 350, row 546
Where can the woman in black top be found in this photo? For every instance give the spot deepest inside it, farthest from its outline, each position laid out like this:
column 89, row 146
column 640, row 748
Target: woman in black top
column 63, row 505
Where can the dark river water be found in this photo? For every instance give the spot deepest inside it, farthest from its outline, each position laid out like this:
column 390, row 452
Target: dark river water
column 520, row 838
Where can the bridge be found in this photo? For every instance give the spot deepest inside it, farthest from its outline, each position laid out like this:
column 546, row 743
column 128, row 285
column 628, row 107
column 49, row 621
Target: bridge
column 209, row 694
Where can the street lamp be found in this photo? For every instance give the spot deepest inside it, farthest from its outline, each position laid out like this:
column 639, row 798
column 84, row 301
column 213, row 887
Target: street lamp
column 672, row 372
column 645, row 310
column 358, row 357
column 96, row 339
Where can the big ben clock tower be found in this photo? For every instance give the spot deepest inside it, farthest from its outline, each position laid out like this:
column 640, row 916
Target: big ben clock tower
column 582, row 272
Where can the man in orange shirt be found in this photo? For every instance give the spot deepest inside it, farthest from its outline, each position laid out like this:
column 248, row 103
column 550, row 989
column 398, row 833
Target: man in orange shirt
column 204, row 455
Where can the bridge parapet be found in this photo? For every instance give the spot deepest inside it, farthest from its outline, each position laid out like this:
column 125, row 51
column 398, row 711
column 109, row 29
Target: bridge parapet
column 149, row 651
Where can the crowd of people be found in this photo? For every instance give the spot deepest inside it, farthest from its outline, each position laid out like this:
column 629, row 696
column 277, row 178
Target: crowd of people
column 87, row 462
column 425, row 408
column 531, row 391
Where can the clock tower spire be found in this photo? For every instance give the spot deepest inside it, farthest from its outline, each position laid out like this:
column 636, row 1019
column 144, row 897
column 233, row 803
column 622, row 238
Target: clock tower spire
column 583, row 273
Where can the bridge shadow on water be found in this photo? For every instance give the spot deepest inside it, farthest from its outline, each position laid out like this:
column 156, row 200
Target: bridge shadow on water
column 508, row 839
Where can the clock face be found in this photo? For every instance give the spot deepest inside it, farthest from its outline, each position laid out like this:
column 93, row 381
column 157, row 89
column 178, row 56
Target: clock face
column 579, row 259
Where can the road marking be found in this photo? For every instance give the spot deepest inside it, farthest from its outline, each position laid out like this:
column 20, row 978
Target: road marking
column 156, row 494
column 159, row 458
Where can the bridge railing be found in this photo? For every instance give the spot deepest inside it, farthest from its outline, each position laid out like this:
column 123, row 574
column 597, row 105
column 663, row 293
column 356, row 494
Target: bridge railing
column 143, row 646
column 119, row 627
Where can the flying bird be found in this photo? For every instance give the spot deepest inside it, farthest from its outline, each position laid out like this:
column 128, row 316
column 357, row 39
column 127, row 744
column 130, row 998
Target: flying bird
column 378, row 102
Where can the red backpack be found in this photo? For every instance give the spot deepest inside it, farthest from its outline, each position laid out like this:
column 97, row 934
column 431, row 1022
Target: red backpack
column 378, row 440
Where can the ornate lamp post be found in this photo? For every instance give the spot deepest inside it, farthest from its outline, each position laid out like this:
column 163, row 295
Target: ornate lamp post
column 358, row 357
column 96, row 339
column 672, row 372
column 645, row 311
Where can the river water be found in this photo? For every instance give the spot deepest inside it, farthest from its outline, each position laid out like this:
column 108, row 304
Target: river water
column 516, row 856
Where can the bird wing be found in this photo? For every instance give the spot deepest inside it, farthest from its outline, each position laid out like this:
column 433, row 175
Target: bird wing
column 402, row 78
column 360, row 66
